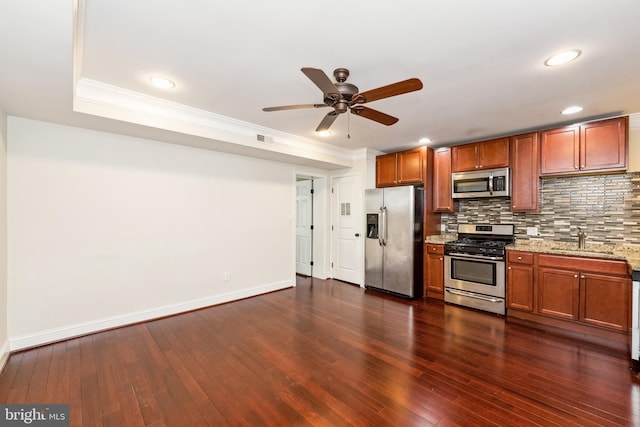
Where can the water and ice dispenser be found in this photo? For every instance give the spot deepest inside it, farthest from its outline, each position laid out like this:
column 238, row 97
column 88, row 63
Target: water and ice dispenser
column 372, row 225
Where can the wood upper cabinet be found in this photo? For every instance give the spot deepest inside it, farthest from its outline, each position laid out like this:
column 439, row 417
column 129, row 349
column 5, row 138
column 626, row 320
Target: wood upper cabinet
column 481, row 155
column 411, row 166
column 386, row 170
column 525, row 173
column 442, row 201
column 434, row 271
column 402, row 168
column 520, row 267
column 600, row 146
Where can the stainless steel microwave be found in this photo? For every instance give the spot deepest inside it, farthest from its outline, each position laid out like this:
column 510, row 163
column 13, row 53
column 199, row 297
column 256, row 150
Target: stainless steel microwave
column 482, row 183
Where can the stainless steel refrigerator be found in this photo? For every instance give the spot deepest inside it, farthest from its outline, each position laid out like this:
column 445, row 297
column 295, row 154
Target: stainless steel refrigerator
column 394, row 240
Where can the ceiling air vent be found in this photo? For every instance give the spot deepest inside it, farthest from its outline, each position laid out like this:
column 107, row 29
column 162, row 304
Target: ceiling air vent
column 265, row 139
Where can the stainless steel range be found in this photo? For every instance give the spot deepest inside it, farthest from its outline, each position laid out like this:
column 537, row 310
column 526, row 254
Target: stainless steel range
column 474, row 266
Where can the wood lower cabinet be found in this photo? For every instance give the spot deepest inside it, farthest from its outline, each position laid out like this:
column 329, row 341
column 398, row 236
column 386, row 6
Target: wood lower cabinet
column 600, row 146
column 581, row 291
column 434, row 271
column 520, row 278
column 604, row 301
column 480, row 155
column 558, row 293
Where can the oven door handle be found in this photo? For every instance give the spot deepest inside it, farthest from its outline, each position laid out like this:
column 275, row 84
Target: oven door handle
column 472, row 295
column 482, row 257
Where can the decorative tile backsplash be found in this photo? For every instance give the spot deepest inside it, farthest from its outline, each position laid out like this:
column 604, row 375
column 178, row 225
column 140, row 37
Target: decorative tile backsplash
column 607, row 207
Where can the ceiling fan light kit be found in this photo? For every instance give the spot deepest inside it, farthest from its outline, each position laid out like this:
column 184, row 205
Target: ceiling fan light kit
column 344, row 97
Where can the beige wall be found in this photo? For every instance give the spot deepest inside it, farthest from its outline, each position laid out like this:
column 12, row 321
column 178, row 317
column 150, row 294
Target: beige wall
column 105, row 229
column 4, row 340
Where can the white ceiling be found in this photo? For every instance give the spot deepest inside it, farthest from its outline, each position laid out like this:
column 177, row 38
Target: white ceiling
column 481, row 64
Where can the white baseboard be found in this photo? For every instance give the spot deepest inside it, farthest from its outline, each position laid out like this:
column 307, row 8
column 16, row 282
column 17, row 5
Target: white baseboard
column 79, row 329
column 4, row 355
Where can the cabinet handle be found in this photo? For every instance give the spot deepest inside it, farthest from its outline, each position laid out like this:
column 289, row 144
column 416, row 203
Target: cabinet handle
column 508, row 268
column 582, row 277
column 440, row 258
column 519, row 257
column 575, row 276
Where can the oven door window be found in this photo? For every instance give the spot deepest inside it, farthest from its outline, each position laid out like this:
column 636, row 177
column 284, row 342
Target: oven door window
column 477, row 185
column 474, row 271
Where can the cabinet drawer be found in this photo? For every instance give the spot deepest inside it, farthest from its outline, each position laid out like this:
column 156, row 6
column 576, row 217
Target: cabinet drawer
column 594, row 265
column 433, row 248
column 520, row 257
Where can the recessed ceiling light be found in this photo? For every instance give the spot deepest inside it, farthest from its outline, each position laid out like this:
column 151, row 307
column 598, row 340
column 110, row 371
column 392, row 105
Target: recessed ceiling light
column 324, row 133
column 424, row 140
column 562, row 58
column 572, row 110
column 161, row 82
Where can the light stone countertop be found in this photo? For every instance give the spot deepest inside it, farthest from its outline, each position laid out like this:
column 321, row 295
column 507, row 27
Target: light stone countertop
column 620, row 252
column 440, row 239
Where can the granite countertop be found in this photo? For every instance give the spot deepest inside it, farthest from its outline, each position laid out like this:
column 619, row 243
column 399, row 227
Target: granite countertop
column 440, row 239
column 620, row 252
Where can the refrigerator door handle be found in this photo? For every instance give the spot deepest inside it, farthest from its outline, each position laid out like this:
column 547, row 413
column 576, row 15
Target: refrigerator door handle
column 384, row 224
column 380, row 227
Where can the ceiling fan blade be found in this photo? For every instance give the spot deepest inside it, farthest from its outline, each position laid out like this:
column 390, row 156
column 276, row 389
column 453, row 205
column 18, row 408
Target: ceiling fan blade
column 375, row 115
column 328, row 120
column 394, row 89
column 294, row 107
column 320, row 79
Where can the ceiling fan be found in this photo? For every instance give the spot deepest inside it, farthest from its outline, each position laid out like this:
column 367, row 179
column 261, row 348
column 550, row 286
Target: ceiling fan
column 343, row 96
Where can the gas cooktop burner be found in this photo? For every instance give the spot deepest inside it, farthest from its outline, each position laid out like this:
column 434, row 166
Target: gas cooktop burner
column 481, row 239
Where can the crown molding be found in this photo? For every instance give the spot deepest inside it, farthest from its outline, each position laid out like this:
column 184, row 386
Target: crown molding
column 108, row 101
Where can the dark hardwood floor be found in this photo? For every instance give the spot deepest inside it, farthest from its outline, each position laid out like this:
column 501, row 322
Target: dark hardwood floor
column 326, row 353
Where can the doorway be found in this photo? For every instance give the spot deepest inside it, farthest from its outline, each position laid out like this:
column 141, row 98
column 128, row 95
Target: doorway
column 304, row 226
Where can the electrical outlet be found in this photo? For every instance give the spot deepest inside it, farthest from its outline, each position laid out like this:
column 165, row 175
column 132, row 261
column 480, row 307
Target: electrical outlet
column 532, row 231
column 227, row 276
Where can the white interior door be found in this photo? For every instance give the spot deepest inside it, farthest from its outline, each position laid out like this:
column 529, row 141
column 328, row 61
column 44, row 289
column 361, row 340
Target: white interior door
column 304, row 226
column 346, row 241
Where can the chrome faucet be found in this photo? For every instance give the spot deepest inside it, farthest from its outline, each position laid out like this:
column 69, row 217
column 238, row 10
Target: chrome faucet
column 581, row 238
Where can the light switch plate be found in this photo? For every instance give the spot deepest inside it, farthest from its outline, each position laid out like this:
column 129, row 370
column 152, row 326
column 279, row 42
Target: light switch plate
column 532, row 231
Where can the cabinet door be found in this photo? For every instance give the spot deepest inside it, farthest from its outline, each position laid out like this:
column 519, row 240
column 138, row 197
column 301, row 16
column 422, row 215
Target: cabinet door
column 559, row 151
column 525, row 174
column 603, row 145
column 464, row 157
column 520, row 287
column 386, row 170
column 604, row 301
column 410, row 166
column 442, row 201
column 493, row 154
column 434, row 271
column 558, row 293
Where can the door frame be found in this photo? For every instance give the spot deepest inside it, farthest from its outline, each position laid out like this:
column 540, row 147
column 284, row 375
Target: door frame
column 320, row 243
